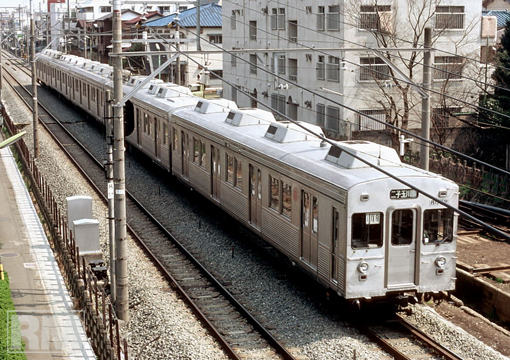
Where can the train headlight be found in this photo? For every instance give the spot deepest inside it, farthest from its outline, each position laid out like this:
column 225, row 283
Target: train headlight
column 363, row 267
column 441, row 261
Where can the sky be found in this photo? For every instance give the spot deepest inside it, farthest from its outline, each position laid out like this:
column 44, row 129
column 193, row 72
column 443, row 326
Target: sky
column 16, row 3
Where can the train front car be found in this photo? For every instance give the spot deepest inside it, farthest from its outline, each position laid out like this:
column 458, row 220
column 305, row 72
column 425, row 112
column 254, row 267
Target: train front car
column 400, row 243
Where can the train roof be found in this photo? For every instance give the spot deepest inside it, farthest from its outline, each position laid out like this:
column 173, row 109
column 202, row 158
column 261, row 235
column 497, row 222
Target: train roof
column 296, row 147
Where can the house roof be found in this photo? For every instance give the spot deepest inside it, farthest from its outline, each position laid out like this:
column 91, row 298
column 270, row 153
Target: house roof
column 123, row 11
column 503, row 16
column 148, row 15
column 210, row 16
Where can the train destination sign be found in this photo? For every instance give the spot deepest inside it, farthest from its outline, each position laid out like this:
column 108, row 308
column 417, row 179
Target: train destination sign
column 403, row 194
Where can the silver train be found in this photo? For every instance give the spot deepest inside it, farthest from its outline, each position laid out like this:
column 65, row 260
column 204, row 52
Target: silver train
column 355, row 230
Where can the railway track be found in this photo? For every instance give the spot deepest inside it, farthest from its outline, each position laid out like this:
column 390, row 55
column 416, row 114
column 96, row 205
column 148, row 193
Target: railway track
column 235, row 328
column 229, row 322
column 497, row 218
column 404, row 341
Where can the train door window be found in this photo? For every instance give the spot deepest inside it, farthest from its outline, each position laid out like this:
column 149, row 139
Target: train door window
column 315, row 215
column 238, row 173
column 259, row 184
column 367, row 230
column 165, row 134
column 286, row 199
column 402, row 227
column 335, row 233
column 156, row 123
column 274, row 201
column 230, row 169
column 84, row 90
column 93, row 95
column 175, row 139
column 438, row 226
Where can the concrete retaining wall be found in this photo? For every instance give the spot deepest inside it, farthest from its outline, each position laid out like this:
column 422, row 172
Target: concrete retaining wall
column 488, row 299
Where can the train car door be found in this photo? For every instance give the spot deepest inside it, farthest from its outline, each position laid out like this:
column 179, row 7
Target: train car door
column 215, row 172
column 156, row 138
column 402, row 248
column 185, row 154
column 138, row 128
column 255, row 196
column 309, row 228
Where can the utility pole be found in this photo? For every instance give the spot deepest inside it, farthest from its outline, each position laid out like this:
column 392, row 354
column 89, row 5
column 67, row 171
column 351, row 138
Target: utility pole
column 178, row 60
column 425, row 104
column 34, row 83
column 111, row 194
column 199, row 47
column 1, row 66
column 122, row 303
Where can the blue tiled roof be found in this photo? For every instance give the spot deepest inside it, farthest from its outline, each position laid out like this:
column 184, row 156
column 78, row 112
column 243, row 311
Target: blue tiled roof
column 210, row 16
column 502, row 15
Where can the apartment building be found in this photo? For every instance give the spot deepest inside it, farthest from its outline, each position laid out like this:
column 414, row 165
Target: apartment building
column 322, row 61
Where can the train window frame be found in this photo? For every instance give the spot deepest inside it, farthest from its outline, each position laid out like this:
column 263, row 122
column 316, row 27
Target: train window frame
column 238, row 173
column 366, row 241
column 430, row 233
column 229, row 174
column 175, row 140
column 202, row 154
column 146, row 124
column 196, row 150
column 402, row 237
column 165, row 134
column 274, row 199
column 315, row 215
column 286, row 199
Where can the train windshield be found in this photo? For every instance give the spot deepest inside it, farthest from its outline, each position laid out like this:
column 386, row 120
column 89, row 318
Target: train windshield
column 437, row 226
column 367, row 230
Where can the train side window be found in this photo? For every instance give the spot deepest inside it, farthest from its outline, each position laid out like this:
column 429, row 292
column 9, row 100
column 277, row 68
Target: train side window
column 402, row 227
column 202, row 154
column 146, row 124
column 196, row 150
column 335, row 231
column 175, row 139
column 437, row 226
column 239, row 173
column 286, row 199
column 230, row 169
column 367, row 230
column 165, row 134
column 274, row 201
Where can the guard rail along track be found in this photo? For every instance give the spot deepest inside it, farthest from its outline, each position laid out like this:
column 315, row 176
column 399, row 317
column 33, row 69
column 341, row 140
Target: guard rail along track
column 228, row 320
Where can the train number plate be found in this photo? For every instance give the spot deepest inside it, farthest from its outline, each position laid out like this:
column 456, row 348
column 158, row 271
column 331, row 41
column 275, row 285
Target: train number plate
column 373, row 218
column 403, row 194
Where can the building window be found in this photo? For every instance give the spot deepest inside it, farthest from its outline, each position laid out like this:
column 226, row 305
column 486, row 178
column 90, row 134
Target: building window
column 320, row 115
column 253, row 30
column 233, row 20
column 105, row 9
column 293, row 69
column 281, row 64
column 448, row 67
column 375, row 17
column 293, row 30
column 321, row 68
column 321, row 19
column 333, row 17
column 365, row 123
column 233, row 60
column 278, row 18
column 253, row 64
column 373, row 68
column 449, row 17
column 216, row 39
column 278, row 102
column 332, row 118
column 333, row 69
column 441, row 116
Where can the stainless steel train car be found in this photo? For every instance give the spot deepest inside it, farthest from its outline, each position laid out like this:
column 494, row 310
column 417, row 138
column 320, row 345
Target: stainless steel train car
column 355, row 230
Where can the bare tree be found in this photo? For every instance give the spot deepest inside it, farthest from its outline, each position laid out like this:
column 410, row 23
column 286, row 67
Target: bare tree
column 402, row 26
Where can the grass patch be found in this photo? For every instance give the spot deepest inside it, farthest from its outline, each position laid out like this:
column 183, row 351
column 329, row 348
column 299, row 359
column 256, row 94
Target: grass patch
column 8, row 323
